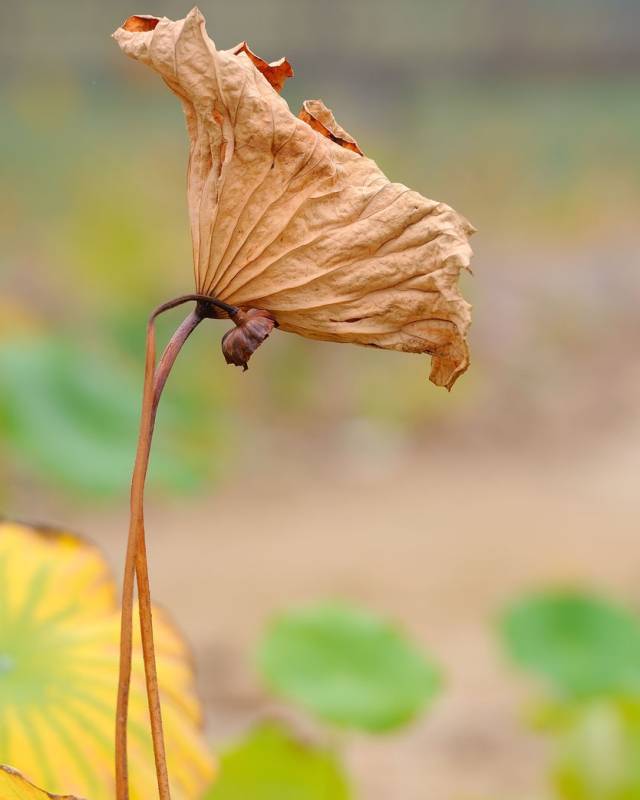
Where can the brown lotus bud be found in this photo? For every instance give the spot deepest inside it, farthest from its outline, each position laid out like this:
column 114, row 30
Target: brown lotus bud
column 252, row 328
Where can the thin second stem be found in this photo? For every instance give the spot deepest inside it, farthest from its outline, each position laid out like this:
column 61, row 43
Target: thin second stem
column 136, row 562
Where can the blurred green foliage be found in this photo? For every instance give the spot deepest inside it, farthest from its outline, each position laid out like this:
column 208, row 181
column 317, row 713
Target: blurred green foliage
column 583, row 646
column 70, row 415
column 269, row 764
column 596, row 748
column 586, row 649
column 348, row 667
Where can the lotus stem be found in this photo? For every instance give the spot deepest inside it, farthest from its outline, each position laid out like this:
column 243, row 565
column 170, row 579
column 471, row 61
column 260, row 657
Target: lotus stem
column 136, row 566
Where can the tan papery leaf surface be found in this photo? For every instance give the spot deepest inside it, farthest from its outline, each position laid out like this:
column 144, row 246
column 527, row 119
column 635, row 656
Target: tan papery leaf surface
column 287, row 216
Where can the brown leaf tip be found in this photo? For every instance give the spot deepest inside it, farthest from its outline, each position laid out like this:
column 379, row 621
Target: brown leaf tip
column 321, row 119
column 252, row 328
column 140, row 23
column 277, row 72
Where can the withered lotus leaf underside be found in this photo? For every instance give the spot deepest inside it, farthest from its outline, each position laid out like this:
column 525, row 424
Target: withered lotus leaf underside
column 287, row 215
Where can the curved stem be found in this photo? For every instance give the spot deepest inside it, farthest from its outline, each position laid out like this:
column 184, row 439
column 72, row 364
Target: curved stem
column 205, row 303
column 136, row 558
column 135, row 521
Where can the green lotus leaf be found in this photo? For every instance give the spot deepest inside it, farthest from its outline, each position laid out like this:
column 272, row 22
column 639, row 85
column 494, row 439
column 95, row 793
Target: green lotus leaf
column 59, row 633
column 14, row 786
column 581, row 645
column 72, row 418
column 270, row 765
column 348, row 667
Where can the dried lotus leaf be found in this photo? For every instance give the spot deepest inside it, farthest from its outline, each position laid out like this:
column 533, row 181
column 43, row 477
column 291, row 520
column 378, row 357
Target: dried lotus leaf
column 287, row 219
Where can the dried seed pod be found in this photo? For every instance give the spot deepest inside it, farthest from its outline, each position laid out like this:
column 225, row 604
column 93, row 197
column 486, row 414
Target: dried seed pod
column 253, row 326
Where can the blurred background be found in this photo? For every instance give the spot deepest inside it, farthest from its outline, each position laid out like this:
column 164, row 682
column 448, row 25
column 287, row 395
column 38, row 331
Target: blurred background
column 331, row 471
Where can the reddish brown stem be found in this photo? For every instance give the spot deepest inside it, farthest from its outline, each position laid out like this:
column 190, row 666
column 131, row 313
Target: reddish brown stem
column 136, row 559
column 135, row 523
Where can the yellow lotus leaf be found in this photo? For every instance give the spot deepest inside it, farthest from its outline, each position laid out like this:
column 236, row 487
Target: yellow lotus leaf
column 288, row 216
column 59, row 634
column 14, row 786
